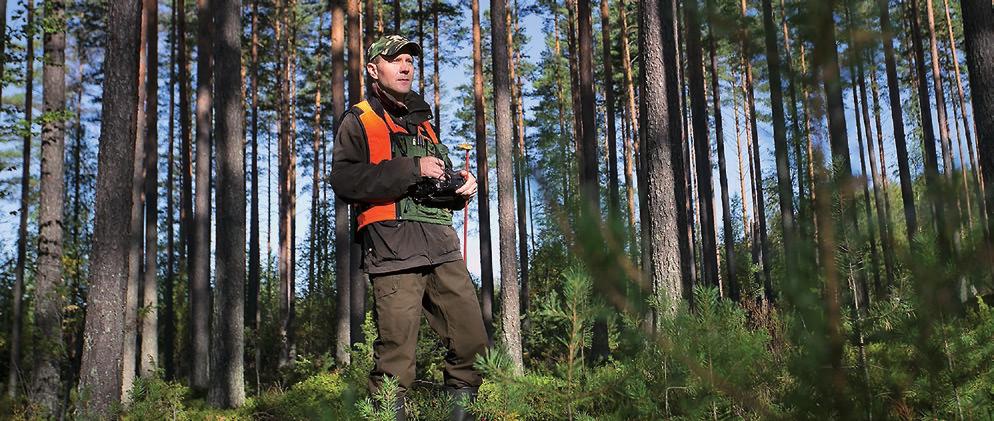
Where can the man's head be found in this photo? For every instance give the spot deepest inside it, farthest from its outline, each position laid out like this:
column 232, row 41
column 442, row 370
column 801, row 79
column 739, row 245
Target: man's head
column 390, row 63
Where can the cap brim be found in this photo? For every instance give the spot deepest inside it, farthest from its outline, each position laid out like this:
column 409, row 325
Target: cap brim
column 412, row 47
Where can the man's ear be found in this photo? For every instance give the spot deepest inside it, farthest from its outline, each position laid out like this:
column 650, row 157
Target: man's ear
column 371, row 70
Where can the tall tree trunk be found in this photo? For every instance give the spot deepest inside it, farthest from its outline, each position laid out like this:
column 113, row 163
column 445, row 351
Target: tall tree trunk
column 879, row 186
column 150, row 292
column 784, row 184
column 759, row 201
column 966, row 121
column 702, row 146
column 3, row 48
column 795, row 135
column 357, row 290
column 978, row 31
column 168, row 306
column 482, row 177
column 940, row 96
column 510, row 313
column 49, row 300
column 287, row 187
column 609, row 101
column 421, row 41
column 520, row 166
column 631, row 112
column 186, row 144
column 732, row 290
column 100, row 376
column 227, row 388
column 313, row 269
column 396, row 16
column 343, row 279
column 200, row 293
column 746, row 237
column 929, row 154
column 661, row 187
column 14, row 369
column 897, row 118
column 131, row 352
column 253, row 313
column 574, row 77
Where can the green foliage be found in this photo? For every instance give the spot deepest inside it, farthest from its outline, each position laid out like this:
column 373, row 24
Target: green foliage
column 154, row 398
column 319, row 397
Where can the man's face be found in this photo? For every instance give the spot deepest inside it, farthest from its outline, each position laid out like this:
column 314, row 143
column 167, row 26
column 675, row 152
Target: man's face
column 395, row 74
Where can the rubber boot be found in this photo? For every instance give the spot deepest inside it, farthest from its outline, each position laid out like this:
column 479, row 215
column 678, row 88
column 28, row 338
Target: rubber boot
column 460, row 398
column 401, row 413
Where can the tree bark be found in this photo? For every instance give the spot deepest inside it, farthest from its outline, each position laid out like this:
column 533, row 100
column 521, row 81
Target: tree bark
column 253, row 313
column 612, row 147
column 200, row 293
column 186, row 143
column 978, row 31
column 702, row 145
column 49, row 300
column 759, row 200
column 482, row 177
column 343, row 279
column 897, row 117
column 929, row 154
column 940, row 96
column 357, row 306
column 510, row 313
column 632, row 114
column 227, row 387
column 150, row 292
column 168, row 307
column 732, row 290
column 14, row 369
column 661, row 188
column 784, row 184
column 131, row 354
column 879, row 185
column 103, row 340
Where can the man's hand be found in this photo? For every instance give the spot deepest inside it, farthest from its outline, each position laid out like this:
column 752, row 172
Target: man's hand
column 469, row 189
column 431, row 167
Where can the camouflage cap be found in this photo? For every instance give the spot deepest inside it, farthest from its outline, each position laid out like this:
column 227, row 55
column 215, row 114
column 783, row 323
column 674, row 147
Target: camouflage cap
column 389, row 45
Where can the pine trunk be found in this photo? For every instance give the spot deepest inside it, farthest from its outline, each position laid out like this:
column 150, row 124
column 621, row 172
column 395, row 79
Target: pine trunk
column 702, row 145
column 253, row 313
column 978, row 30
column 14, row 370
column 101, row 366
column 661, row 187
column 343, row 280
column 510, row 313
column 482, row 177
column 897, row 117
column 357, row 291
column 784, row 184
column 227, row 385
column 609, row 101
column 150, row 292
column 732, row 289
column 200, row 249
column 49, row 300
column 168, row 306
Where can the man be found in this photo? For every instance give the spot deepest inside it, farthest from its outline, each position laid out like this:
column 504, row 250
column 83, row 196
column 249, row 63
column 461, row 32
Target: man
column 386, row 152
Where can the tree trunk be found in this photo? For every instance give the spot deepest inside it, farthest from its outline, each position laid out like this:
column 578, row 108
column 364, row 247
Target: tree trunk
column 227, row 388
column 795, row 135
column 343, row 279
column 253, row 313
column 510, row 313
column 928, row 132
column 966, row 121
column 742, row 174
column 150, row 293
column 287, row 187
column 483, row 178
column 421, row 42
column 879, row 185
column 357, row 290
column 396, row 16
column 784, row 184
column 131, row 352
column 14, row 370
column 101, row 366
column 574, row 77
column 940, row 96
column 732, row 283
column 661, row 188
column 632, row 114
column 3, row 56
column 978, row 30
column 49, row 300
column 186, row 144
column 200, row 293
column 168, row 307
column 612, row 147
column 520, row 166
column 897, row 117
column 434, row 78
column 759, row 201
column 702, row 146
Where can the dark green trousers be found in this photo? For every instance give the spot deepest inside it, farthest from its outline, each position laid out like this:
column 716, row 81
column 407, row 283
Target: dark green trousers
column 446, row 296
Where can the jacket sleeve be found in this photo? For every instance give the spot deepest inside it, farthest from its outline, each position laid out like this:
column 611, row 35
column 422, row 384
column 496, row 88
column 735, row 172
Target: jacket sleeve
column 356, row 180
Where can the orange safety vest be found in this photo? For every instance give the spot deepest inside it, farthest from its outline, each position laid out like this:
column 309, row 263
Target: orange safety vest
column 378, row 130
